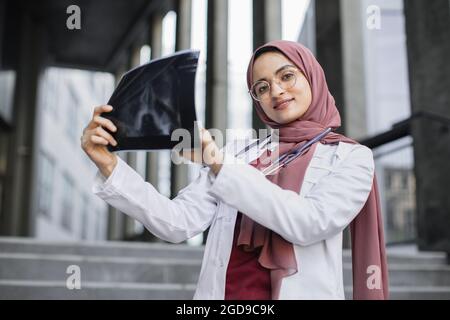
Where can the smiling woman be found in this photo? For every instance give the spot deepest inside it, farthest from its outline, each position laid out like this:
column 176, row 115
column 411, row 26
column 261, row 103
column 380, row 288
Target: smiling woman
column 288, row 97
column 275, row 236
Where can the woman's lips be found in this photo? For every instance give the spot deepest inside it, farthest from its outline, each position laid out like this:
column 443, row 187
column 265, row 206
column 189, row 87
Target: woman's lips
column 283, row 105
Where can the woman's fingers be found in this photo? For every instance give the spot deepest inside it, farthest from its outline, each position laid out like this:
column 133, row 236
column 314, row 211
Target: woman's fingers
column 105, row 123
column 97, row 111
column 99, row 140
column 105, row 108
column 95, row 130
column 99, row 131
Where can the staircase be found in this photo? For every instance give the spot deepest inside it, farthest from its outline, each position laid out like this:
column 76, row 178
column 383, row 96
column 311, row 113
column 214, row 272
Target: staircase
column 32, row 269
column 413, row 275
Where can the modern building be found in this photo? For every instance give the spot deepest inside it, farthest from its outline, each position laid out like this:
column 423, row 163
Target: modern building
column 384, row 61
column 65, row 208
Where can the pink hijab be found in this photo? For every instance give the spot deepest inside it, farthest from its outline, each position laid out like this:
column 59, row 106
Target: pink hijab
column 277, row 254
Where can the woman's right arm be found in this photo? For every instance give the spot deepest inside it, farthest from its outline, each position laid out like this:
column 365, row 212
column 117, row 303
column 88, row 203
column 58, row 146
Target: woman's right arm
column 188, row 214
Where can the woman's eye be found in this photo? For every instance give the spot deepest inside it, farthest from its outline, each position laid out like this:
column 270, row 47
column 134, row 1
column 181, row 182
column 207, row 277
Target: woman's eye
column 262, row 89
column 287, row 76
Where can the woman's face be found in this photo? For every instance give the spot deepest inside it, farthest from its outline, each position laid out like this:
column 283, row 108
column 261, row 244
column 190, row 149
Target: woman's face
column 282, row 105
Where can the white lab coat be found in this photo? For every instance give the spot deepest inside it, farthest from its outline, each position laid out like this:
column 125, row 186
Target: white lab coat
column 335, row 188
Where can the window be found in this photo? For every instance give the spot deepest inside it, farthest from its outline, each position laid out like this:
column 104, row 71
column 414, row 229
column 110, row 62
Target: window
column 67, row 202
column 45, row 184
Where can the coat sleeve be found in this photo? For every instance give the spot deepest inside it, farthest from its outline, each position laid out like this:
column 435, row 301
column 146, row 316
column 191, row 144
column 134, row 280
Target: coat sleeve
column 331, row 204
column 187, row 215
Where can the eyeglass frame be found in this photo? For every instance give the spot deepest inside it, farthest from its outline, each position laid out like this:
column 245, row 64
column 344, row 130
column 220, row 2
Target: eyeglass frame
column 279, row 86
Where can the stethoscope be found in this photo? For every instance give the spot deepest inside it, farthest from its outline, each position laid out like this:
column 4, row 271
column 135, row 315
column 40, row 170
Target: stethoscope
column 286, row 158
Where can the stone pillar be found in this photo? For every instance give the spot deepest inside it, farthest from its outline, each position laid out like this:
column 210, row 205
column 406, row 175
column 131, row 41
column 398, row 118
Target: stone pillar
column 428, row 43
column 155, row 42
column 272, row 19
column 217, row 68
column 128, row 226
column 329, row 47
column 128, row 229
column 3, row 136
column 266, row 27
column 114, row 224
column 20, row 194
column 179, row 173
column 183, row 33
column 2, row 27
column 115, row 217
column 259, row 25
column 338, row 47
column 151, row 162
column 266, row 21
column 115, row 220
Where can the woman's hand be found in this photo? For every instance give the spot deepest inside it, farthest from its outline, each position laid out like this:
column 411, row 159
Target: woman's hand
column 209, row 154
column 95, row 139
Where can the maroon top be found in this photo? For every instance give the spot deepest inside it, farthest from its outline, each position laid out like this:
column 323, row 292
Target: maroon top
column 246, row 279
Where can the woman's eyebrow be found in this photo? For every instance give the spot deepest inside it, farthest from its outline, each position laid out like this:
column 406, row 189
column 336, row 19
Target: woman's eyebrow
column 278, row 71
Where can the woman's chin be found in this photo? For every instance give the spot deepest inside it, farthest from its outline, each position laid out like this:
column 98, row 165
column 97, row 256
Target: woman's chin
column 285, row 118
column 289, row 117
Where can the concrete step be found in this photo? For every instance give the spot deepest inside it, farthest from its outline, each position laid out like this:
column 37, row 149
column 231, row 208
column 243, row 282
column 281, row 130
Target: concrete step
column 164, row 270
column 57, row 290
column 409, row 257
column 411, row 275
column 31, row 269
column 106, row 248
column 26, row 266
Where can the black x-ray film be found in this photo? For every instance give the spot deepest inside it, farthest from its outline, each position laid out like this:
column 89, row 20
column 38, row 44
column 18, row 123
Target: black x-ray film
column 153, row 100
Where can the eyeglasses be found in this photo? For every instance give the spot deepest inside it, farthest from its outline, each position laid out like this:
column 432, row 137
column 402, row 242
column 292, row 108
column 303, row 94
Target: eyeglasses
column 260, row 90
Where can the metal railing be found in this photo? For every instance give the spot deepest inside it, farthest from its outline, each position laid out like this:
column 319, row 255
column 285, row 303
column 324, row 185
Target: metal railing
column 402, row 129
column 394, row 162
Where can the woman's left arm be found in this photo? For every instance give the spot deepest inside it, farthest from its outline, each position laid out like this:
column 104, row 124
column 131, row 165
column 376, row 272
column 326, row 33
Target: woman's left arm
column 331, row 204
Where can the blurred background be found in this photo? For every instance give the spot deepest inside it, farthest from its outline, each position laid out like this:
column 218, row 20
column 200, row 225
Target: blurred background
column 385, row 65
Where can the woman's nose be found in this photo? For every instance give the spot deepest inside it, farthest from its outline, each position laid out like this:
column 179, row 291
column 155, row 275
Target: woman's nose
column 276, row 90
